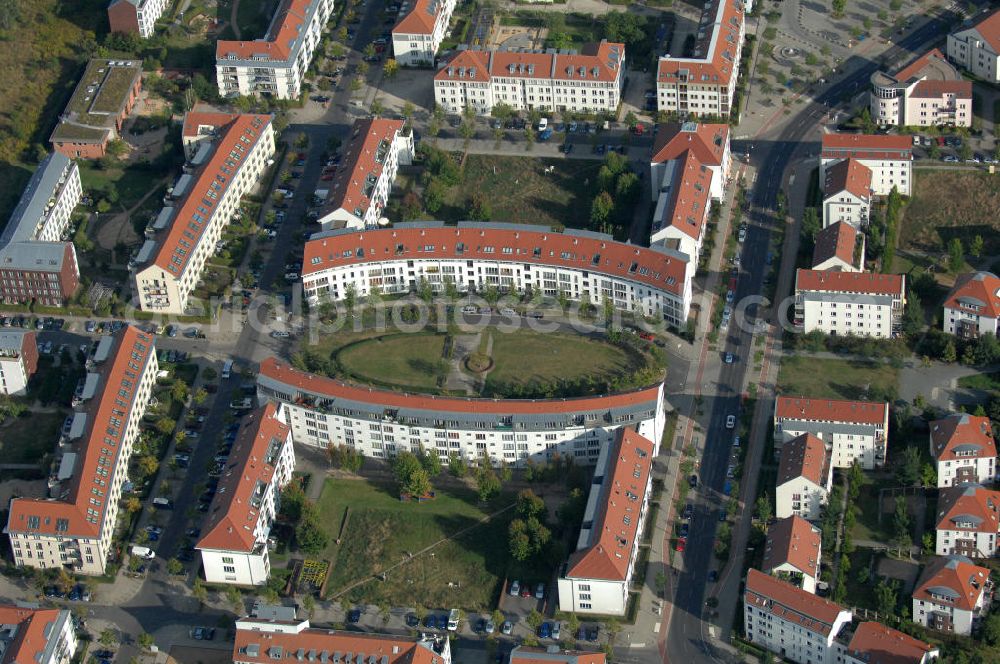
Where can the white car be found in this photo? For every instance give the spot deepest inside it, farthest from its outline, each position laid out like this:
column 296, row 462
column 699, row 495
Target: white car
column 730, row 421
column 543, row 124
column 507, row 311
column 143, row 552
column 736, row 441
column 280, row 334
column 743, row 234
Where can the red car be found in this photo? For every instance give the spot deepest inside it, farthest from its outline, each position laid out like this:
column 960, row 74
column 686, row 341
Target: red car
column 526, row 591
column 328, row 176
column 648, row 336
column 681, row 544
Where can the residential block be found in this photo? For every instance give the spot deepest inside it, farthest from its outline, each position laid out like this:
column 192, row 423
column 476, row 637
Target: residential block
column 805, row 477
column 18, row 360
column 967, row 521
column 952, row 595
column 417, row 36
column 135, row 16
column 972, row 308
column 849, row 303
column 852, row 430
column 928, row 92
column 888, row 157
column 963, row 449
column 976, row 49
column 792, row 552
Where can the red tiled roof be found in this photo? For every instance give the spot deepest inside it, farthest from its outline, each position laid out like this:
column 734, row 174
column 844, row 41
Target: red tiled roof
column 595, row 62
column 623, row 493
column 70, row 517
column 914, row 68
column 707, row 142
column 793, row 541
column 874, row 643
column 466, row 65
column 849, row 282
column 789, row 603
column 197, row 118
column 989, row 30
column 395, row 650
column 232, row 517
column 804, row 456
column 957, row 574
column 835, row 241
column 830, row 410
column 968, row 503
column 981, row 289
column 490, row 242
column 938, row 89
column 420, row 20
column 179, row 245
column 32, row 635
column 867, row 146
column 961, row 430
column 532, row 655
column 347, row 190
column 690, row 205
column 284, row 373
column 718, row 66
column 277, row 45
column 849, row 175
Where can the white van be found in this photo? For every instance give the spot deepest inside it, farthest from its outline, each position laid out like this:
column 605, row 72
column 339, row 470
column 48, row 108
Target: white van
column 163, row 503
column 453, row 620
column 143, row 552
column 227, row 369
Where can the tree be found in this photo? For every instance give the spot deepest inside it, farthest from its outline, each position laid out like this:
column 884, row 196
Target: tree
column 309, row 604
column 165, row 425
column 390, row 68
column 377, row 107
column 309, row 534
column 148, row 465
column 431, row 461
column 763, row 509
column 527, row 537
column 885, row 599
column 133, row 504
column 913, row 315
column 534, row 619
column 901, row 525
column 457, row 466
column 956, row 256
column 600, row 210
column 631, row 120
column 179, row 391
column 235, row 599
column 838, row 7
column 529, row 505
column 976, row 246
column 433, row 195
column 479, row 207
column 200, row 396
column 487, row 482
column 991, row 629
column 175, row 567
column 908, row 467
column 108, row 637
column 10, row 13
column 811, row 225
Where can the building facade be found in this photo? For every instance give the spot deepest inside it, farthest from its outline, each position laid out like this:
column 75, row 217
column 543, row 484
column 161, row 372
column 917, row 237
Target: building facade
column 805, row 477
column 963, row 450
column 839, row 248
column 417, row 36
column 46, row 206
column 234, row 548
column 976, row 49
column 73, row 529
column 890, row 159
column 849, row 303
column 275, row 64
column 18, row 360
column 972, row 308
column 167, row 268
column 588, row 81
column 847, row 193
column 793, row 551
column 380, row 423
column 967, row 521
column 951, row 595
column 598, row 575
column 359, row 191
column 102, row 101
column 513, row 258
column 135, row 16
column 852, row 430
column 41, row 636
column 929, row 92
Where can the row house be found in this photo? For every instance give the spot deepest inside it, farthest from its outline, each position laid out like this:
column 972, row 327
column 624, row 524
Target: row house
column 967, row 523
column 234, row 547
column 951, row 595
column 381, row 423
column 41, row 636
column 515, row 259
column 805, row 477
column 853, row 431
column 586, row 81
column 598, row 575
column 928, row 92
column 976, row 49
column 839, row 248
column 276, row 64
column 705, row 83
column 135, row 17
column 100, row 104
column 849, row 303
column 18, row 360
column 847, row 193
column 963, row 450
column 554, row 655
column 888, row 157
column 73, row 528
column 168, row 266
column 972, row 308
column 417, row 36
column 359, row 191
column 793, row 552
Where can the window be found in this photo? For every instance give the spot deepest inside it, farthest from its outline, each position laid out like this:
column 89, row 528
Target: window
column 229, row 569
column 227, row 559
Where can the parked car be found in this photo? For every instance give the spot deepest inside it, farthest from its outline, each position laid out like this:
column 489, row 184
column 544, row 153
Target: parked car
column 203, row 633
column 354, row 616
column 507, row 627
column 730, row 421
column 540, row 591
column 545, row 630
column 688, row 512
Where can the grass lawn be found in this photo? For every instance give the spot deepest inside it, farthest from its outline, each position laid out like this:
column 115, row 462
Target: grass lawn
column 527, row 356
column 28, row 438
column 981, row 381
column 948, row 204
column 254, row 16
column 866, row 526
column 131, row 183
column 406, row 360
column 834, row 379
column 861, row 593
column 383, row 531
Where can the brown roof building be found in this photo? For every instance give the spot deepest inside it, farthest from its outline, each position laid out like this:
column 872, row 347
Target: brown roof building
column 967, row 521
column 792, row 551
column 805, row 476
column 851, row 430
column 847, row 193
column 839, row 248
column 928, row 92
column 963, row 449
column 972, row 308
column 951, row 594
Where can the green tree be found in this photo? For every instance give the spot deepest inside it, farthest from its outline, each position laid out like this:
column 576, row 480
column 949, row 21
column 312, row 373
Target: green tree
column 175, row 567
column 479, row 207
column 534, row 619
column 600, row 210
column 235, row 599
column 908, row 467
column 377, row 108
column 199, row 591
column 487, row 482
column 200, row 396
column 108, row 637
column 144, row 640
column 529, row 505
column 165, row 425
column 885, row 599
column 901, row 525
column 457, row 466
column 763, row 509
column 956, row 256
column 390, row 68
column 811, row 225
column 976, row 246
column 309, row 534
column 431, row 462
column 991, row 629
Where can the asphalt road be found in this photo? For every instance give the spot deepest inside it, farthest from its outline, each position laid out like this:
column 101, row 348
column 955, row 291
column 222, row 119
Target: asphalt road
column 687, row 639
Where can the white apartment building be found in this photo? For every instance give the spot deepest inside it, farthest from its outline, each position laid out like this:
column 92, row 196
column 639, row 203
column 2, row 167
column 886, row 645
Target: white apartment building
column 276, row 64
column 928, row 92
column 805, row 477
column 890, row 159
column 839, row 248
column 951, row 595
column 514, row 258
column 793, row 551
column 380, row 423
column 588, row 81
column 972, row 308
column 18, row 360
column 790, row 622
column 598, row 575
column 359, row 191
column 168, row 268
column 234, row 547
column 135, row 16
column 73, row 529
column 976, row 49
column 849, row 303
column 705, row 84
column 847, row 193
column 967, row 522
column 46, row 206
column 40, row 636
column 417, row 36
column 852, row 430
column 963, row 450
